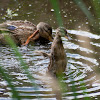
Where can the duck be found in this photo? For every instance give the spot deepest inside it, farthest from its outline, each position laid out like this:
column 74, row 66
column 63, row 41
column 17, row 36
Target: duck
column 23, row 32
column 57, row 56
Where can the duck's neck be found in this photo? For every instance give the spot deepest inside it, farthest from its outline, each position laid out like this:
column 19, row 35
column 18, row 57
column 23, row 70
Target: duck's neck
column 58, row 37
column 57, row 40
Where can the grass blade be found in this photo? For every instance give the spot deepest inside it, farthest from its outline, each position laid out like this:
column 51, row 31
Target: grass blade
column 55, row 5
column 7, row 77
column 83, row 7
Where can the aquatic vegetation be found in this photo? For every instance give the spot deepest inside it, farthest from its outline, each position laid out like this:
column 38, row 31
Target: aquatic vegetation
column 10, row 14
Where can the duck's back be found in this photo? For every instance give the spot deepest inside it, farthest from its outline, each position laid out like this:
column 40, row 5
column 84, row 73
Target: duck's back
column 21, row 30
column 19, row 26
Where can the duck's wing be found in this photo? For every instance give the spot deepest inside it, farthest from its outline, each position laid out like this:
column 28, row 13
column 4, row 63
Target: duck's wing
column 8, row 26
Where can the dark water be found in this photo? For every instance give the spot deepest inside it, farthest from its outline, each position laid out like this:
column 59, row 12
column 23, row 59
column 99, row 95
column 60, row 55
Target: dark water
column 82, row 53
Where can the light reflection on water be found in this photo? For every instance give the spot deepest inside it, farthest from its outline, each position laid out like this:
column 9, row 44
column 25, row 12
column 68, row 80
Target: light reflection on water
column 81, row 63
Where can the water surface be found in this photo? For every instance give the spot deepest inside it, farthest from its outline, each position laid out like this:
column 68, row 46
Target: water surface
column 82, row 70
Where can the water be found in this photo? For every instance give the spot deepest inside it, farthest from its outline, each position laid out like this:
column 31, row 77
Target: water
column 82, row 70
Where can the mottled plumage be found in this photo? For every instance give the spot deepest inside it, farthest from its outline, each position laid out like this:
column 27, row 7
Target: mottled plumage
column 58, row 59
column 22, row 30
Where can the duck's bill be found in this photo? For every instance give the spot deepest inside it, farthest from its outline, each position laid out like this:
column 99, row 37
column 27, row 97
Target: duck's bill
column 50, row 39
column 68, row 37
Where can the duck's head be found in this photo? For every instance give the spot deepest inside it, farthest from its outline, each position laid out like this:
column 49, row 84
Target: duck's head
column 62, row 32
column 45, row 31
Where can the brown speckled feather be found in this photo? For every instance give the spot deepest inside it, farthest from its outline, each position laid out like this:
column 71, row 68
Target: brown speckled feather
column 58, row 60
column 22, row 31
